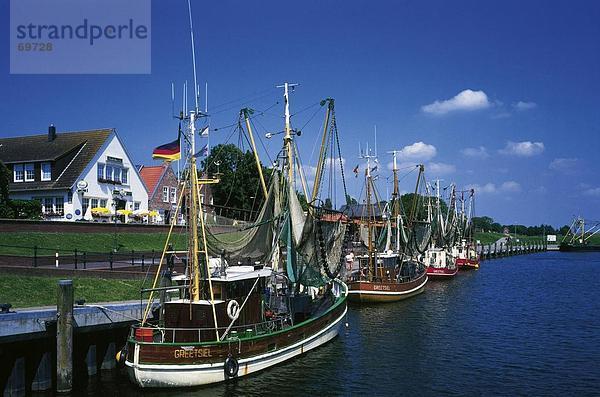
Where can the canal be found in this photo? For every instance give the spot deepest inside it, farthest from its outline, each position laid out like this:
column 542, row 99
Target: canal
column 522, row 325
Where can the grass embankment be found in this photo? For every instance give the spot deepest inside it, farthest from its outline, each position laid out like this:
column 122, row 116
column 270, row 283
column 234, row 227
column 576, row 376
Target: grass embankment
column 491, row 238
column 22, row 243
column 28, row 291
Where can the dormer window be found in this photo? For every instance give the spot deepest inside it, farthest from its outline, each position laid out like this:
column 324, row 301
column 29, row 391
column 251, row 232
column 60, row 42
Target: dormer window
column 18, row 174
column 46, row 171
column 29, row 172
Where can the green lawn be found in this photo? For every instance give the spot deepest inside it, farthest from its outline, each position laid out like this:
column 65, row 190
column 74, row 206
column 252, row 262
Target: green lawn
column 22, row 243
column 28, row 291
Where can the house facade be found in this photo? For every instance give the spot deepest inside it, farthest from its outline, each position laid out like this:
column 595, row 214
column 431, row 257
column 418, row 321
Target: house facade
column 82, row 175
column 162, row 186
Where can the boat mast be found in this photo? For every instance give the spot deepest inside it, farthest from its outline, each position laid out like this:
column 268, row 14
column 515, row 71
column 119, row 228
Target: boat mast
column 396, row 198
column 245, row 112
column 321, row 160
column 288, row 132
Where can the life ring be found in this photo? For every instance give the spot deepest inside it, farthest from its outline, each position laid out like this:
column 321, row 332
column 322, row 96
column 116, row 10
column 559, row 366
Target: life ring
column 122, row 356
column 231, row 367
column 233, row 309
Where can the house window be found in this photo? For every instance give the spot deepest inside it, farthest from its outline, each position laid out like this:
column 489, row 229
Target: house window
column 47, row 205
column 84, row 206
column 165, row 194
column 29, row 172
column 18, row 172
column 109, row 173
column 100, row 171
column 174, row 195
column 46, row 172
column 136, row 205
column 94, row 203
column 124, row 175
column 59, row 204
column 117, row 174
column 103, row 203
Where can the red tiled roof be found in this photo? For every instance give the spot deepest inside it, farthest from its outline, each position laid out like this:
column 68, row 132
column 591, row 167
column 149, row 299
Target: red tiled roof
column 151, row 175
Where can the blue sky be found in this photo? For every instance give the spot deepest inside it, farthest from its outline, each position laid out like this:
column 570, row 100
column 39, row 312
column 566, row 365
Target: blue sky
column 501, row 96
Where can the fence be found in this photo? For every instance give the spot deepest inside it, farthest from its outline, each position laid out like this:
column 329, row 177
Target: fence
column 81, row 260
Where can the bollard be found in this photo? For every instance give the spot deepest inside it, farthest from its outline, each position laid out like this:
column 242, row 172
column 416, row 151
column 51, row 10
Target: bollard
column 132, row 258
column 56, row 261
column 142, row 262
column 110, row 259
column 64, row 337
column 152, row 257
column 75, row 259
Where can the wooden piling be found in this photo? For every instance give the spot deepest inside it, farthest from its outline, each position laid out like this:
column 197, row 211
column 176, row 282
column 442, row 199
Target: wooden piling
column 64, row 337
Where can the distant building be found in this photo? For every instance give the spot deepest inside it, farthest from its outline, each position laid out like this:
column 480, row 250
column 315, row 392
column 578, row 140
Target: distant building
column 73, row 173
column 164, row 190
column 162, row 185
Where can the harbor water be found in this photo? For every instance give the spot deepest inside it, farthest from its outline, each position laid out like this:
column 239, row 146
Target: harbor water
column 522, row 325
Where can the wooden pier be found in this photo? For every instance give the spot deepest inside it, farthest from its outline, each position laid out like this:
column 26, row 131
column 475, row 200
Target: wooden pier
column 503, row 248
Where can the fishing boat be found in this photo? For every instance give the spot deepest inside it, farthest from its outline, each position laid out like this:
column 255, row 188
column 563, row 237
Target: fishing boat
column 465, row 251
column 248, row 300
column 439, row 259
column 579, row 238
column 388, row 270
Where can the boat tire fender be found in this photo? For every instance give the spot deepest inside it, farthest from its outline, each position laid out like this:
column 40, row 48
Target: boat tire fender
column 233, row 309
column 231, row 367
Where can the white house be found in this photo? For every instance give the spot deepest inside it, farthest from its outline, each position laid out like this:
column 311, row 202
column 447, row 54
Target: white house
column 72, row 173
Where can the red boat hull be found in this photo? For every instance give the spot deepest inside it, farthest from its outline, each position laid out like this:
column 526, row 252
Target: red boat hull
column 441, row 272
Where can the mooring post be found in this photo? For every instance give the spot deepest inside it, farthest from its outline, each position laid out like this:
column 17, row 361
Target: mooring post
column 153, row 257
column 110, row 259
column 75, row 252
column 132, row 258
column 64, row 337
column 143, row 261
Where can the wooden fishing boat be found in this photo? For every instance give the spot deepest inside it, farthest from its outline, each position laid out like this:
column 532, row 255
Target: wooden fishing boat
column 281, row 299
column 465, row 251
column 440, row 263
column 392, row 274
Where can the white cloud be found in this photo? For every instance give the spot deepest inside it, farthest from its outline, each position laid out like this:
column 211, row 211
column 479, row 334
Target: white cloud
column 523, row 149
column 524, row 105
column 418, row 151
column 592, row 192
column 438, row 169
column 478, row 152
column 490, row 188
column 510, row 186
column 564, row 165
column 466, row 100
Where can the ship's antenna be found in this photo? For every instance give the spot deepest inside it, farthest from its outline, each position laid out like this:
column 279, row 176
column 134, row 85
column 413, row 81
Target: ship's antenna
column 193, row 56
column 173, row 99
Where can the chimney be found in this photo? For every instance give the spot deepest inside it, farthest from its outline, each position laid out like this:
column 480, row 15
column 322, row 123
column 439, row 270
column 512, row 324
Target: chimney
column 51, row 133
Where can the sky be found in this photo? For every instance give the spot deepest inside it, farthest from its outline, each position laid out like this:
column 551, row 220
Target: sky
column 501, row 97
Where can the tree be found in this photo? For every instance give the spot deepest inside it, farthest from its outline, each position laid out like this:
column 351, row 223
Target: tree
column 5, row 210
column 16, row 209
column 239, row 186
column 350, row 200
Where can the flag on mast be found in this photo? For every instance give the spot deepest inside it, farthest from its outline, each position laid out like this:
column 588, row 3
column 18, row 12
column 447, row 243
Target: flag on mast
column 169, row 151
column 202, row 152
column 204, row 131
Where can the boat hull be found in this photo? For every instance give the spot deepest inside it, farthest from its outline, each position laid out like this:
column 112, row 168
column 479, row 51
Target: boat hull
column 376, row 292
column 441, row 272
column 465, row 263
column 579, row 248
column 162, row 365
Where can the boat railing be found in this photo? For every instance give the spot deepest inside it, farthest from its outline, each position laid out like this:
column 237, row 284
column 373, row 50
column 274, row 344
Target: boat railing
column 153, row 334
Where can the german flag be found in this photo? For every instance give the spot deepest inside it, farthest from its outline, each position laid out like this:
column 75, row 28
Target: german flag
column 169, row 151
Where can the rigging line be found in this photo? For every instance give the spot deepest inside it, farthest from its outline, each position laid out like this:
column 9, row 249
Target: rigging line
column 257, row 113
column 317, row 139
column 306, row 108
column 261, row 141
column 216, row 155
column 241, row 103
column 246, row 97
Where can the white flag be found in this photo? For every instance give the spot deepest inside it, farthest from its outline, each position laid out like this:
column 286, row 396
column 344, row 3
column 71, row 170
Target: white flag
column 204, row 131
